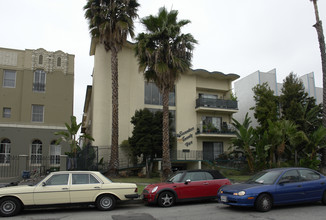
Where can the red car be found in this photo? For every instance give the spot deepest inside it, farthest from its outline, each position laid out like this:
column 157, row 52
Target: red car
column 185, row 186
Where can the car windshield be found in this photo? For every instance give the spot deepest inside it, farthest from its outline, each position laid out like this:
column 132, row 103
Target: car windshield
column 264, row 177
column 175, row 178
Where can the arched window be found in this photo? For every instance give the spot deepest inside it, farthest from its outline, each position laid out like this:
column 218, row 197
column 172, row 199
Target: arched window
column 36, row 152
column 40, row 59
column 59, row 61
column 5, row 151
column 55, row 152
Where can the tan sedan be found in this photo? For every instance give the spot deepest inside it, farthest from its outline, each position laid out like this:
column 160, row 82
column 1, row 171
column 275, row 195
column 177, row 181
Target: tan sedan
column 66, row 187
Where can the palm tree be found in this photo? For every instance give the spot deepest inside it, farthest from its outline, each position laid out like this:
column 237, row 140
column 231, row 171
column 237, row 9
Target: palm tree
column 245, row 140
column 322, row 47
column 111, row 21
column 283, row 134
column 163, row 54
column 70, row 135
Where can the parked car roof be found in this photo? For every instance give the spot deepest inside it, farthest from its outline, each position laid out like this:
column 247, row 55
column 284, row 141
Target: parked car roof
column 215, row 173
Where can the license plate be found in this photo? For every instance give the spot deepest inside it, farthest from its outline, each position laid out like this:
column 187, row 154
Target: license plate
column 224, row 199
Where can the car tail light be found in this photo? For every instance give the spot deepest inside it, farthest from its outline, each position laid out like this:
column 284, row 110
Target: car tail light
column 136, row 190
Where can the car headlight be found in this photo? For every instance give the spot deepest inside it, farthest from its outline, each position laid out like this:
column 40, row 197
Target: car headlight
column 154, row 189
column 241, row 193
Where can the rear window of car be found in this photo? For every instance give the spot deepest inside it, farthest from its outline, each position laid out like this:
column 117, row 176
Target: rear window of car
column 308, row 175
column 83, row 179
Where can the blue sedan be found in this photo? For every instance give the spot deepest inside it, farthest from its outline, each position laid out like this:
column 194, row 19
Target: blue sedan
column 279, row 186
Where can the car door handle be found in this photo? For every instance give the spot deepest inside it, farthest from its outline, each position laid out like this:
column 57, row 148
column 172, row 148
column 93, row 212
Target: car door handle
column 96, row 187
column 322, row 183
column 64, row 188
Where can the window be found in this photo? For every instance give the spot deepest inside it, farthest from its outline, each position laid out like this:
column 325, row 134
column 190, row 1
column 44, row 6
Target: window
column 195, row 176
column 40, row 59
column 5, row 151
column 55, row 152
column 59, row 61
column 6, row 113
column 212, row 150
column 209, row 176
column 207, row 96
column 36, row 152
column 211, row 124
column 9, row 79
column 39, row 81
column 37, row 113
column 59, row 179
column 84, row 179
column 308, row 175
column 290, row 177
column 154, row 97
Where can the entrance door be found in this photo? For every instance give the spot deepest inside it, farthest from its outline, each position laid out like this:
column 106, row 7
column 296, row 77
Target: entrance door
column 211, row 150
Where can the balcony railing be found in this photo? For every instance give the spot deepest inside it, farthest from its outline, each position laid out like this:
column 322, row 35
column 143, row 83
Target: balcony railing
column 216, row 103
column 186, row 154
column 225, row 128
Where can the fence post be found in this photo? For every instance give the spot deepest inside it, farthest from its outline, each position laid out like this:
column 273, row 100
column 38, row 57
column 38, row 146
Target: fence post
column 22, row 164
column 63, row 162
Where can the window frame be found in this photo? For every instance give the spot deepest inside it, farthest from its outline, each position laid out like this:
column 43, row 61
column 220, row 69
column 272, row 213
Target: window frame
column 90, row 176
column 55, row 153
column 6, row 114
column 36, row 115
column 39, row 80
column 153, row 96
column 36, row 154
column 56, row 176
column 5, row 79
column 5, row 145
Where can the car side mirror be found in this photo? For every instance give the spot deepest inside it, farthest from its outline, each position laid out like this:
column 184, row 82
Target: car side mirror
column 188, row 181
column 43, row 184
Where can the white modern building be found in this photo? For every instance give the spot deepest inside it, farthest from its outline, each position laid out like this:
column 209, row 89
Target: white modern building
column 245, row 95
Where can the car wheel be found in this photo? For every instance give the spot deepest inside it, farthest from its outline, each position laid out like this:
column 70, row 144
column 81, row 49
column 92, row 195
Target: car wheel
column 9, row 207
column 166, row 199
column 323, row 200
column 263, row 203
column 105, row 202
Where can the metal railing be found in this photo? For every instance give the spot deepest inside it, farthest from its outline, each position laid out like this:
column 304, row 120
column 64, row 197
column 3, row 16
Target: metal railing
column 17, row 165
column 186, row 155
column 216, row 103
column 226, row 128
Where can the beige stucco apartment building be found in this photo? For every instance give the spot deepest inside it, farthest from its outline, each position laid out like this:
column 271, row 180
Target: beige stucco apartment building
column 200, row 104
column 36, row 99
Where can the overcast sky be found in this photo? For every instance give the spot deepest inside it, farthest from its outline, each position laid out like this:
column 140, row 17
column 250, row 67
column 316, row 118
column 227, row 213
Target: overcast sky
column 235, row 36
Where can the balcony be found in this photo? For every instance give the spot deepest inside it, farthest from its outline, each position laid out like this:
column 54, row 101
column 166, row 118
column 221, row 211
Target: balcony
column 209, row 104
column 186, row 154
column 226, row 130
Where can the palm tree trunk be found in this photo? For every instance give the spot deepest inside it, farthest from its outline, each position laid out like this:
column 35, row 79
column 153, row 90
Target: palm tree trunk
column 166, row 162
column 114, row 159
column 321, row 40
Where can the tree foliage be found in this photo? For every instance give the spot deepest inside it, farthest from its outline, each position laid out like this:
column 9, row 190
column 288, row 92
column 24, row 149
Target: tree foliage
column 295, row 138
column 146, row 140
column 70, row 135
column 266, row 107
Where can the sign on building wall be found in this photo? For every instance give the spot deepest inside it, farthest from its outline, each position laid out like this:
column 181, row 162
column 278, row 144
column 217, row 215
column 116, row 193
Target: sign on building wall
column 186, row 136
